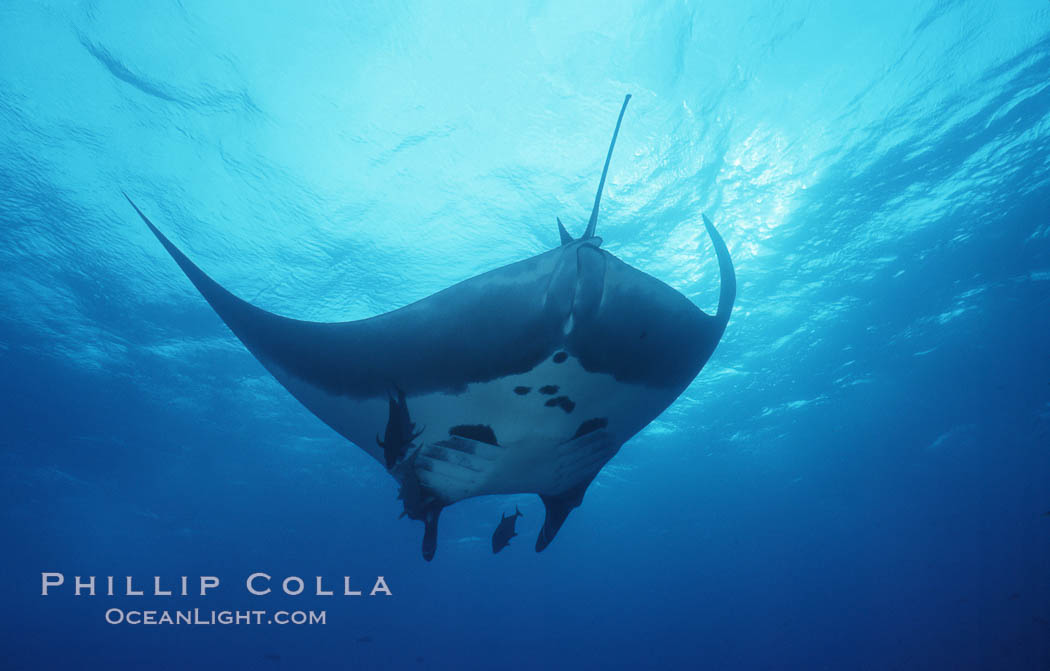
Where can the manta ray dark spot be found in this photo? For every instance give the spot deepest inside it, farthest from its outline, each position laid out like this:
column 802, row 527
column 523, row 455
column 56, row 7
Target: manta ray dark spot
column 560, row 357
column 563, row 402
column 549, row 390
column 642, row 337
column 521, row 391
column 591, row 425
column 482, row 433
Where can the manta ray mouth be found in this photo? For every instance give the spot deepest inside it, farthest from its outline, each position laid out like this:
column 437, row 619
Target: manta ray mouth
column 525, row 379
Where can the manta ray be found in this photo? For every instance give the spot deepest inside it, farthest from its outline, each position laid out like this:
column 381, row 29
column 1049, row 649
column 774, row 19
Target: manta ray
column 524, row 379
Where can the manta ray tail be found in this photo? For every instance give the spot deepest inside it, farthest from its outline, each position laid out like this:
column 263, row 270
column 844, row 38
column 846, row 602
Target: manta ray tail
column 601, row 184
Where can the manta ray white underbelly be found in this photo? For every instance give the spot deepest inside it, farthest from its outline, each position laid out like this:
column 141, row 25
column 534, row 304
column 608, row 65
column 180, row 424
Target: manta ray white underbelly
column 525, row 379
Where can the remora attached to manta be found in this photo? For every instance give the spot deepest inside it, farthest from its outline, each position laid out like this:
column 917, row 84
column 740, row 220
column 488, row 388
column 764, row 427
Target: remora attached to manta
column 524, row 379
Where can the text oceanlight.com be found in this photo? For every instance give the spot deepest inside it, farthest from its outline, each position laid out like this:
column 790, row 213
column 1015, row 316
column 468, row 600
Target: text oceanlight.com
column 197, row 616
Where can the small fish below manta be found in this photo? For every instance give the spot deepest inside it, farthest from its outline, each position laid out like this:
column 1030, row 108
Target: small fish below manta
column 504, row 530
column 525, row 379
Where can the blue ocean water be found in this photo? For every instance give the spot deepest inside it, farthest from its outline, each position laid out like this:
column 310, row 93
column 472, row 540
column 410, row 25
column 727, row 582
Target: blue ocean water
column 859, row 478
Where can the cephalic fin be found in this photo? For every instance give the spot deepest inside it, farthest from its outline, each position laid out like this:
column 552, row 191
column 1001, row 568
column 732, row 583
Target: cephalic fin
column 430, row 530
column 558, row 508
